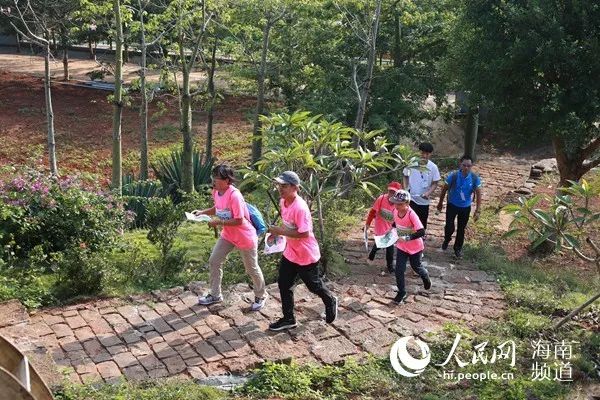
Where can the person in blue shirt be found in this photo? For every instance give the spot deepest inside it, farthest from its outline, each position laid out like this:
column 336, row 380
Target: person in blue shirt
column 461, row 185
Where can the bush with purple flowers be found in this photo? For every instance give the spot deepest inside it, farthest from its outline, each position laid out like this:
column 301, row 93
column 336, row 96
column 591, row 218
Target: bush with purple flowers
column 55, row 224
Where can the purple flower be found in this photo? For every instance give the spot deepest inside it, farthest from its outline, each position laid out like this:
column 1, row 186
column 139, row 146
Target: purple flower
column 18, row 183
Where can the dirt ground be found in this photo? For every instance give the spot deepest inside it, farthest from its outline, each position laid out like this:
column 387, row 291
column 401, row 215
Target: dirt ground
column 83, row 123
column 79, row 66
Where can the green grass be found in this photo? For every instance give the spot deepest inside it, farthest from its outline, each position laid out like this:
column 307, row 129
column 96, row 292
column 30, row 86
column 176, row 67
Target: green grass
column 153, row 390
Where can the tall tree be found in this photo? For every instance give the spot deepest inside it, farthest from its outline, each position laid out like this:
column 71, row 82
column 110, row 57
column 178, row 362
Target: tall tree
column 151, row 28
column 36, row 21
column 192, row 19
column 362, row 85
column 117, row 170
column 536, row 65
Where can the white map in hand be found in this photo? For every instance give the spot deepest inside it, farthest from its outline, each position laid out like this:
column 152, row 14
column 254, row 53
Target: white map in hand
column 386, row 240
column 274, row 244
column 197, row 218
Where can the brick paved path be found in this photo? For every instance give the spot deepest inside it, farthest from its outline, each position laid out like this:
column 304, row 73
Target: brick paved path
column 167, row 333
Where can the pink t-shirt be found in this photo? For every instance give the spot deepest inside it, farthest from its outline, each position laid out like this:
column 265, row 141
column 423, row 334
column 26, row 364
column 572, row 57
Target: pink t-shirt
column 407, row 225
column 384, row 215
column 231, row 205
column 301, row 251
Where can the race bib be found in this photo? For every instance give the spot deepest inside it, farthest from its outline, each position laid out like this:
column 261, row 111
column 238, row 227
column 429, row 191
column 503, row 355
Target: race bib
column 224, row 214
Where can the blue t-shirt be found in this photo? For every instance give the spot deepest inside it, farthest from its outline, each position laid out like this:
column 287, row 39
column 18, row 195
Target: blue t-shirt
column 461, row 192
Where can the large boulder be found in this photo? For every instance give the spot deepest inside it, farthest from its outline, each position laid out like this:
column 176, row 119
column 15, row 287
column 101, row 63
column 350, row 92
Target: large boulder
column 547, row 165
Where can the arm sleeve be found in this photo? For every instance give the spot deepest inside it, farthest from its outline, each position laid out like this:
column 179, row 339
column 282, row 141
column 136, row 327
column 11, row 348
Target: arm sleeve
column 419, row 233
column 415, row 221
column 435, row 174
column 303, row 220
column 237, row 205
column 478, row 182
column 371, row 216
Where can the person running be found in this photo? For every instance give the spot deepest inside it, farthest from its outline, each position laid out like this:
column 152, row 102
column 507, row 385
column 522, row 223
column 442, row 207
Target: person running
column 383, row 214
column 422, row 182
column 237, row 232
column 301, row 255
column 410, row 243
column 460, row 185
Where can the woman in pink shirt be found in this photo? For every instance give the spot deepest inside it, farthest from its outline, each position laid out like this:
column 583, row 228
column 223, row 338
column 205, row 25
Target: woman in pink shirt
column 301, row 255
column 383, row 214
column 410, row 243
column 237, row 232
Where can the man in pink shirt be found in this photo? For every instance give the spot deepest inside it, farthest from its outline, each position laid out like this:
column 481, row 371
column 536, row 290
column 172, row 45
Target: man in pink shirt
column 301, row 255
column 237, row 232
column 410, row 243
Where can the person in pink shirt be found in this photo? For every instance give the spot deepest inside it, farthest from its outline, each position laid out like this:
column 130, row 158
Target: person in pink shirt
column 410, row 243
column 383, row 214
column 231, row 214
column 301, row 255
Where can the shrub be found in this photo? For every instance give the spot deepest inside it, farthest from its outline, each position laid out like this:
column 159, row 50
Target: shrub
column 51, row 224
column 136, row 195
column 38, row 210
column 169, row 171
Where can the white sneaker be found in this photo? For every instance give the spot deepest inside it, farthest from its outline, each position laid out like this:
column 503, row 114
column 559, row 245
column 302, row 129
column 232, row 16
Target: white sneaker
column 259, row 303
column 209, row 299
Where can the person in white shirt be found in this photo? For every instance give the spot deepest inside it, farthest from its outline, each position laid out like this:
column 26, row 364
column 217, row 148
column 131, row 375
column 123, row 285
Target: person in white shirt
column 421, row 182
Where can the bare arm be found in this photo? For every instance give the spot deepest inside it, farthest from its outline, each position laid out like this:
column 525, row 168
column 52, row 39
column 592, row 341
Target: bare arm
column 442, row 196
column 285, row 231
column 208, row 211
column 477, row 203
column 431, row 190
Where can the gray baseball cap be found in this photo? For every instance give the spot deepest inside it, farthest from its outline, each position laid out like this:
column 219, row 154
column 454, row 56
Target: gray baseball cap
column 288, row 177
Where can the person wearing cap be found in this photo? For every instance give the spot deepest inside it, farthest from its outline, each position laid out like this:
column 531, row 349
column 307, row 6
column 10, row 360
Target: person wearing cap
column 421, row 183
column 410, row 243
column 301, row 255
column 231, row 214
column 383, row 214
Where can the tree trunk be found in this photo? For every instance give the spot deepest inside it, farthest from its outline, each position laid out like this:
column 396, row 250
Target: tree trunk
column 125, row 52
column 117, row 174
column 260, row 101
column 66, row 76
column 321, row 221
column 49, row 113
column 570, row 166
column 211, row 107
column 364, row 93
column 577, row 311
column 91, row 48
column 18, row 38
column 471, row 132
column 397, row 39
column 144, row 105
column 187, row 179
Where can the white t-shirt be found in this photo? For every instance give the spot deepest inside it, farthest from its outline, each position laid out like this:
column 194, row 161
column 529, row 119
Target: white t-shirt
column 419, row 181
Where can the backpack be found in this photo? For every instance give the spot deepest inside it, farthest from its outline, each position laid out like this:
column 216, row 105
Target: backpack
column 454, row 178
column 256, row 219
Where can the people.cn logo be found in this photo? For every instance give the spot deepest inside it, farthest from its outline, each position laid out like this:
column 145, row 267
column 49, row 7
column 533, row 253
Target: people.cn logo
column 405, row 364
